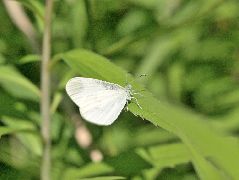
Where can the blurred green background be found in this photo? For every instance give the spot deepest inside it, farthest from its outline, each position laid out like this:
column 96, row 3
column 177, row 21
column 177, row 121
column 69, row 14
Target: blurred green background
column 189, row 50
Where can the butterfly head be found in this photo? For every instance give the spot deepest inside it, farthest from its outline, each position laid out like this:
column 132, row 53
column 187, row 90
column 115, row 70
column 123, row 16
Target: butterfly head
column 130, row 94
column 128, row 87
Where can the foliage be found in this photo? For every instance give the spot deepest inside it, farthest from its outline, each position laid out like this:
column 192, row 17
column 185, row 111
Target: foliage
column 187, row 127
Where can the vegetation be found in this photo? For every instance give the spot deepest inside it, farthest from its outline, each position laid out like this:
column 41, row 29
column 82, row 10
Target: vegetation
column 189, row 122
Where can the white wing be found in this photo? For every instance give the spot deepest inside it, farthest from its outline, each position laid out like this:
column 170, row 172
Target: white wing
column 99, row 102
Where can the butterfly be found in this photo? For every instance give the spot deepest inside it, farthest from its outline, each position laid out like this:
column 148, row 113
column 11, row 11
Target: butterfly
column 99, row 102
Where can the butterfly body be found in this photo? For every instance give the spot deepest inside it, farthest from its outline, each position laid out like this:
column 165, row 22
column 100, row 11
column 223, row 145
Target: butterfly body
column 99, row 102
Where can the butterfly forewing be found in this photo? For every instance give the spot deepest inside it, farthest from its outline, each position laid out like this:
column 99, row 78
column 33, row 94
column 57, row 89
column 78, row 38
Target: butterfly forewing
column 99, row 102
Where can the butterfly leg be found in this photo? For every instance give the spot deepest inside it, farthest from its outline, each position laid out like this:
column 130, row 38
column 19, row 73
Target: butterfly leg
column 137, row 102
column 126, row 107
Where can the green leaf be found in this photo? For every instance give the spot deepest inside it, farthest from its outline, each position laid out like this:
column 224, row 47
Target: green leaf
column 205, row 169
column 10, row 107
column 170, row 155
column 104, row 178
column 191, row 128
column 6, row 130
column 92, row 169
column 18, row 85
column 134, row 165
column 29, row 58
column 31, row 140
column 148, row 136
column 166, row 156
column 56, row 101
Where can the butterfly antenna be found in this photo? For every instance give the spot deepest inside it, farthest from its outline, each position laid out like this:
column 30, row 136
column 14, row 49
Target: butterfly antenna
column 126, row 79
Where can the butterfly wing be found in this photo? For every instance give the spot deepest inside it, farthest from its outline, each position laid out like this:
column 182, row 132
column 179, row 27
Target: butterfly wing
column 99, row 102
column 104, row 111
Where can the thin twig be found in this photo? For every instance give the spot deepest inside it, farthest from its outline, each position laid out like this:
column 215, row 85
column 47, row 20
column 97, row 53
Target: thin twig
column 45, row 90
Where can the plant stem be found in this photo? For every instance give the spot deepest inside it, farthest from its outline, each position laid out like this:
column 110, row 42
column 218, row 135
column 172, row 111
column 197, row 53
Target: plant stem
column 45, row 93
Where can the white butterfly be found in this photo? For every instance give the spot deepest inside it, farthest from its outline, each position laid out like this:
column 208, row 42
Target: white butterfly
column 100, row 102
